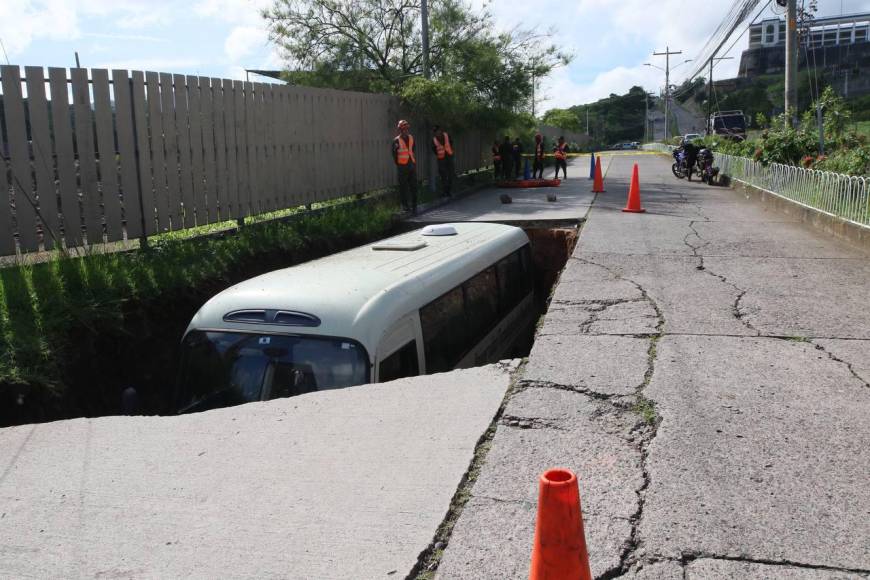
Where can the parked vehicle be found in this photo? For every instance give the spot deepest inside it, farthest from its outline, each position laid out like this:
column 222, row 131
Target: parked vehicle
column 691, row 137
column 444, row 297
column 679, row 168
column 731, row 124
column 705, row 166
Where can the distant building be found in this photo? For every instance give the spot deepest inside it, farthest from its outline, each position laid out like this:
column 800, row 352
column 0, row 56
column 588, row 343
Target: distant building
column 833, row 31
column 837, row 46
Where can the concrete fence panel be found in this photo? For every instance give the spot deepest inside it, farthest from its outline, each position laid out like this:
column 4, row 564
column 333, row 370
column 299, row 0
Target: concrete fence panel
column 97, row 156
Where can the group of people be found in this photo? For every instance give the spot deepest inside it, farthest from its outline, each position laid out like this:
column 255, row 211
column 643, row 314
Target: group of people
column 507, row 158
column 404, row 156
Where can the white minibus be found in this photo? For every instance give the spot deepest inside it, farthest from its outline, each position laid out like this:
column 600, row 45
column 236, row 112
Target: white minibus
column 447, row 296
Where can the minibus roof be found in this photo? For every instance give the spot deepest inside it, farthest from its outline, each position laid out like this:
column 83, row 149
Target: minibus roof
column 361, row 293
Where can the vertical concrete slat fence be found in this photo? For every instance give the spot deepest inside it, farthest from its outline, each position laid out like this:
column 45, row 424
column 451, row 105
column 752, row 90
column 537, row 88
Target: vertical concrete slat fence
column 92, row 156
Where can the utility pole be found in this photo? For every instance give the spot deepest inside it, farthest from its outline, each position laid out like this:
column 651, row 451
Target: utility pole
column 424, row 24
column 791, row 58
column 667, row 54
column 587, row 120
column 646, row 117
column 646, row 132
column 707, row 124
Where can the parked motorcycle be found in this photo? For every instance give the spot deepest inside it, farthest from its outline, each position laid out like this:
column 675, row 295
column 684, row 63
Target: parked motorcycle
column 680, row 166
column 705, row 166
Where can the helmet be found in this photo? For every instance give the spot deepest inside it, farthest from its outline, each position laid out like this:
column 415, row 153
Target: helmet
column 403, row 123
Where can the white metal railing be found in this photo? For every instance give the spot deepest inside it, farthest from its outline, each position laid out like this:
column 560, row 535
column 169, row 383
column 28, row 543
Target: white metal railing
column 837, row 194
column 660, row 147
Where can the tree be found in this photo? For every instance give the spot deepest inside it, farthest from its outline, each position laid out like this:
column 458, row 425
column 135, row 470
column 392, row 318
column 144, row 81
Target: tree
column 562, row 118
column 375, row 46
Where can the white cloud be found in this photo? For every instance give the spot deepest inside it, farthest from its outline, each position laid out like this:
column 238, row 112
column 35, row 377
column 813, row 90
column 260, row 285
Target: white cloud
column 244, row 41
column 235, row 11
column 560, row 91
column 173, row 65
column 23, row 21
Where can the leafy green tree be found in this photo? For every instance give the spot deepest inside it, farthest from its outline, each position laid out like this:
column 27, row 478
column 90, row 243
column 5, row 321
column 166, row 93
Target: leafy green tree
column 562, row 118
column 375, row 46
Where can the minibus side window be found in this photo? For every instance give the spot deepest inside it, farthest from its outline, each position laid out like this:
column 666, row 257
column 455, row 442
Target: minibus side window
column 481, row 303
column 400, row 364
column 528, row 267
column 445, row 331
column 511, row 286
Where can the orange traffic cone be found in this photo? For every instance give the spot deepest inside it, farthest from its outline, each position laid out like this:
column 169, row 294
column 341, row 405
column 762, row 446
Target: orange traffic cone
column 598, row 184
column 559, row 551
column 633, row 204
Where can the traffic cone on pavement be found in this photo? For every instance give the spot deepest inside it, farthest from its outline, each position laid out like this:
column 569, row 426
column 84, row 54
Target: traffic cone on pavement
column 598, row 184
column 592, row 165
column 633, row 204
column 559, row 550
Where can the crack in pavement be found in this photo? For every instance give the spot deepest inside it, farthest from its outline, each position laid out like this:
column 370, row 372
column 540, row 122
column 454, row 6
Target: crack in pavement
column 736, row 309
column 532, row 384
column 835, row 358
column 690, row 556
column 646, row 433
column 530, row 423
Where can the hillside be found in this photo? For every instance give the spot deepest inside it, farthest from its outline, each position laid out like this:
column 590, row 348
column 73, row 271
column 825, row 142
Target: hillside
column 613, row 119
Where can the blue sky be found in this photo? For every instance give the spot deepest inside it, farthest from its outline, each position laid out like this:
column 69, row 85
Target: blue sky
column 611, row 39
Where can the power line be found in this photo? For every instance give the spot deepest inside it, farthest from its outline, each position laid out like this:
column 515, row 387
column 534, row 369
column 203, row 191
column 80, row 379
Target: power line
column 738, row 14
column 682, row 91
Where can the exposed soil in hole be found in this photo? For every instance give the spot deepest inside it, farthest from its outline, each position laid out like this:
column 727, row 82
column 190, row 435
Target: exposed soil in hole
column 551, row 248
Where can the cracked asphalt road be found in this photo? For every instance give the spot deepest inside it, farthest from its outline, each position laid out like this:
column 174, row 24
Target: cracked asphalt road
column 748, row 334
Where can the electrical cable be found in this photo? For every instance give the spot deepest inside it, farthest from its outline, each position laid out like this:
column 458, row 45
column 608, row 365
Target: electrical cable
column 739, row 13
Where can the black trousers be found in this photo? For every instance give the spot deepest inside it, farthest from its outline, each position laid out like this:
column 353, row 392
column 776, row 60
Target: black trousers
column 563, row 164
column 538, row 169
column 446, row 172
column 518, row 162
column 408, row 186
column 496, row 168
column 506, row 166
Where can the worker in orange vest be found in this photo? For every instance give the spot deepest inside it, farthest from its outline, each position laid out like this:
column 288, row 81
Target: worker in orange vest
column 406, row 165
column 538, row 163
column 560, row 152
column 496, row 159
column 444, row 153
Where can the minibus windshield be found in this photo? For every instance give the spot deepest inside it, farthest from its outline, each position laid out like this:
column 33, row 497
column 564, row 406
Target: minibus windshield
column 220, row 369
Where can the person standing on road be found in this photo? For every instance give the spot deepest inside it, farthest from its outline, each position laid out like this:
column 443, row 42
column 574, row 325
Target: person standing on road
column 538, row 165
column 406, row 166
column 444, row 153
column 560, row 152
column 496, row 160
column 507, row 155
column 691, row 152
column 517, row 154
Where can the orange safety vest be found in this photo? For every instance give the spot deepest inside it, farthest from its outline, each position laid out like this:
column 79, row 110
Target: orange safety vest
column 405, row 151
column 560, row 151
column 496, row 154
column 442, row 150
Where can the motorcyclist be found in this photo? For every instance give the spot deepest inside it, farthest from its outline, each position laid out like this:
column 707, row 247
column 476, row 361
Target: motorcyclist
column 691, row 152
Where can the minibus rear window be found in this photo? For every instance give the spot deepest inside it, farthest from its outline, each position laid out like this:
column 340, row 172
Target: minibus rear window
column 221, row 369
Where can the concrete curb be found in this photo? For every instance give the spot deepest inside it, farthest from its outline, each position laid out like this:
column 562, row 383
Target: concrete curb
column 832, row 225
